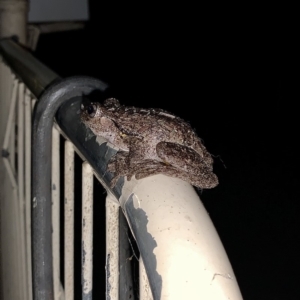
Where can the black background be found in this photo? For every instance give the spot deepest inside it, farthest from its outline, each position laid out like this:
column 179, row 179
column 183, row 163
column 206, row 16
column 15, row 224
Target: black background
column 232, row 76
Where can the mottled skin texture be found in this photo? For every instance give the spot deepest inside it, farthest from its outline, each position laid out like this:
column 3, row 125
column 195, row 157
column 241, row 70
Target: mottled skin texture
column 150, row 141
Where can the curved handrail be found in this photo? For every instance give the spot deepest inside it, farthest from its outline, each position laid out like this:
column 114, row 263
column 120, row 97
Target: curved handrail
column 43, row 119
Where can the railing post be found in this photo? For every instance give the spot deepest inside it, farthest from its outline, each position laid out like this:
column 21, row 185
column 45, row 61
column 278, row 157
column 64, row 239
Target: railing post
column 13, row 19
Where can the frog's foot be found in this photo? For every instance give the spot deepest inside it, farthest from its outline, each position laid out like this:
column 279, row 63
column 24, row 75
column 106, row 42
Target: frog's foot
column 118, row 165
column 128, row 172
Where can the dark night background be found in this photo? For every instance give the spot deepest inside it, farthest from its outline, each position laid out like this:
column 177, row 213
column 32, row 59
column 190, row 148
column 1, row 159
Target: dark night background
column 230, row 77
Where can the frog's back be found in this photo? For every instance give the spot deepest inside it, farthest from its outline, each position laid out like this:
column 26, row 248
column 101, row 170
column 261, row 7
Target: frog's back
column 163, row 125
column 173, row 129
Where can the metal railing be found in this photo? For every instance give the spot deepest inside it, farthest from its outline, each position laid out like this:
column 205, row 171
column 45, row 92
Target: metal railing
column 46, row 241
column 181, row 256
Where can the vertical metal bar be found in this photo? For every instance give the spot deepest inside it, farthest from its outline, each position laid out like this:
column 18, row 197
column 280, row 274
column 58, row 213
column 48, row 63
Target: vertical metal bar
column 1, row 169
column 145, row 290
column 12, row 139
column 11, row 114
column 28, row 190
column 69, row 221
column 15, row 251
column 6, row 87
column 20, row 137
column 126, row 255
column 87, row 231
column 17, row 212
column 55, row 212
column 10, row 97
column 10, row 127
column 112, row 248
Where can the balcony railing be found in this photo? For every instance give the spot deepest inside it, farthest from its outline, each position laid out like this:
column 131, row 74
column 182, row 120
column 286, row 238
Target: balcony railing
column 179, row 252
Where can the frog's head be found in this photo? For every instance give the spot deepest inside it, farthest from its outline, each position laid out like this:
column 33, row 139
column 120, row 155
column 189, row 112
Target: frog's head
column 90, row 110
column 97, row 116
column 91, row 113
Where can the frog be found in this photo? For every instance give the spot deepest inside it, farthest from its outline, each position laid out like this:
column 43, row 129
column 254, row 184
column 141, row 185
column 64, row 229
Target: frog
column 150, row 141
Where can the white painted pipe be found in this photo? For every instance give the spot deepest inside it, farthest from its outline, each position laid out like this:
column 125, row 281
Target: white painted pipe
column 181, row 250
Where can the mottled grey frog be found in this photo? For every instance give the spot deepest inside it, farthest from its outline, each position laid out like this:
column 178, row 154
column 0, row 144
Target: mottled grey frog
column 150, row 141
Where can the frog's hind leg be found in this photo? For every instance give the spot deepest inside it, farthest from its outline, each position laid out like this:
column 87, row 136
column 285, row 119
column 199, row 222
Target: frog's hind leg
column 182, row 157
column 190, row 166
column 156, row 167
column 205, row 181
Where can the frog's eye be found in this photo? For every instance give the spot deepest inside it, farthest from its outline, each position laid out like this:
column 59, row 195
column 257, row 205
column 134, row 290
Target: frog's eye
column 91, row 110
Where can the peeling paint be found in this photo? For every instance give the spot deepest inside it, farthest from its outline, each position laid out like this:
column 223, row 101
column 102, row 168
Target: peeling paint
column 228, row 276
column 34, row 202
column 136, row 201
column 107, row 267
column 83, row 253
column 87, row 296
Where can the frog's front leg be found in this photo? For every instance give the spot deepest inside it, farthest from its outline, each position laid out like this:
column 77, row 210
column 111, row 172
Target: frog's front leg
column 182, row 157
column 118, row 165
column 118, row 162
column 123, row 163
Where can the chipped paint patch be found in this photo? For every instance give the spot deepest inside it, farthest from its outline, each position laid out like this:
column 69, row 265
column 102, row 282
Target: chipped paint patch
column 228, row 276
column 34, row 202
